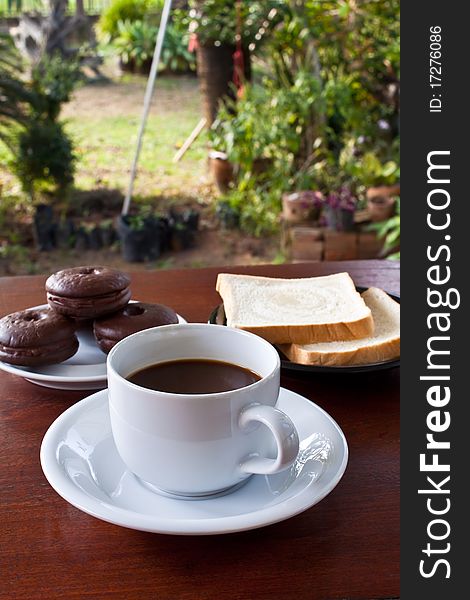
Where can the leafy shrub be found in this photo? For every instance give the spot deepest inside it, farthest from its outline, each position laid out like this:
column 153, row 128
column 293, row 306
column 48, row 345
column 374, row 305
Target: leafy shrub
column 14, row 92
column 45, row 158
column 135, row 42
column 125, row 10
column 389, row 231
column 256, row 206
column 215, row 20
column 135, row 45
column 272, row 121
column 29, row 110
column 282, row 126
column 175, row 56
column 371, row 171
column 53, row 81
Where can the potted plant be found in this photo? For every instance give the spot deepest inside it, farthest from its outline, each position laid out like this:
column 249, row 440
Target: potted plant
column 191, row 218
column 108, row 233
column 340, row 206
column 382, row 182
column 140, row 236
column 82, row 238
column 274, row 137
column 65, row 234
column 221, row 54
column 241, row 140
column 183, row 228
column 222, row 170
column 227, row 215
column 301, row 206
column 135, row 45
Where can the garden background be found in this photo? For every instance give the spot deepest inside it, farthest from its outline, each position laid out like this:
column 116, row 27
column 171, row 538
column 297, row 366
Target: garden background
column 298, row 159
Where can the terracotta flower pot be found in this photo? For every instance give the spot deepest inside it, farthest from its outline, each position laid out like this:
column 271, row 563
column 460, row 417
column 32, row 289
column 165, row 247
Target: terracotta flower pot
column 381, row 202
column 302, row 206
column 222, row 171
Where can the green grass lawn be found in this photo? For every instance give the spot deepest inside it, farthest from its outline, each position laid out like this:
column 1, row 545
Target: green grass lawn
column 106, row 134
column 103, row 121
column 105, row 148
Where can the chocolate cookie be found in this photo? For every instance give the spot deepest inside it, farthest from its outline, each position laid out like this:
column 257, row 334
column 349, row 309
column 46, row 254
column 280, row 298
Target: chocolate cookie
column 134, row 317
column 88, row 292
column 36, row 337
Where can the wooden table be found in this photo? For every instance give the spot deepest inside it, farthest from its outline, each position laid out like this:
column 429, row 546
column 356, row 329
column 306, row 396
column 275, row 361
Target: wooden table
column 347, row 546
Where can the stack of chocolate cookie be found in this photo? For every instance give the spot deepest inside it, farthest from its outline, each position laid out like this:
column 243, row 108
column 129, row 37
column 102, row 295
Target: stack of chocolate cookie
column 44, row 336
column 88, row 292
column 36, row 337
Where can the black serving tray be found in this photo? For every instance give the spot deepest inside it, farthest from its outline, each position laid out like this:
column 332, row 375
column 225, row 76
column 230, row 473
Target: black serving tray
column 217, row 317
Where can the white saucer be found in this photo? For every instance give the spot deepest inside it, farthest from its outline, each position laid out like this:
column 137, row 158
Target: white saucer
column 85, row 370
column 80, row 461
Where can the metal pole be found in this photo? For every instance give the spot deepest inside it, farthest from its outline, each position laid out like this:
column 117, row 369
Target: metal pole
column 147, row 101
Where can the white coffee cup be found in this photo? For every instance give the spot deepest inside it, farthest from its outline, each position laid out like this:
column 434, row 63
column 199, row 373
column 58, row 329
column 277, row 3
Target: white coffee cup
column 193, row 445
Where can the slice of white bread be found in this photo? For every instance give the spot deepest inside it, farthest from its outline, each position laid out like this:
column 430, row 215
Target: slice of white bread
column 301, row 311
column 383, row 345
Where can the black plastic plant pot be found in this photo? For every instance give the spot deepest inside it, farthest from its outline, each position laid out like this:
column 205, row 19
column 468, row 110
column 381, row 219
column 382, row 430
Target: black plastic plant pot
column 191, row 219
column 139, row 243
column 153, row 228
column 165, row 234
column 228, row 216
column 65, row 234
column 182, row 237
column 44, row 227
column 339, row 219
column 108, row 235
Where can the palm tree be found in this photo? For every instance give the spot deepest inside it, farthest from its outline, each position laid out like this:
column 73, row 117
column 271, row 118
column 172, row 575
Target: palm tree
column 14, row 93
column 29, row 124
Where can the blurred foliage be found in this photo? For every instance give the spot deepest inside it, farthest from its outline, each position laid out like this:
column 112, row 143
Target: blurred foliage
column 130, row 27
column 15, row 212
column 135, row 41
column 135, row 44
column 389, row 231
column 53, row 81
column 125, row 10
column 324, row 108
column 42, row 152
column 215, row 21
column 45, row 160
column 175, row 56
column 14, row 94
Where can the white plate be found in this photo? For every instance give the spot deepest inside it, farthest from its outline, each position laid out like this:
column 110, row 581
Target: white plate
column 85, row 370
column 80, row 461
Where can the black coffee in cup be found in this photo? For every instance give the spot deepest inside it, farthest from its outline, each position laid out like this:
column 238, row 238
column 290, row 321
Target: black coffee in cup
column 193, row 376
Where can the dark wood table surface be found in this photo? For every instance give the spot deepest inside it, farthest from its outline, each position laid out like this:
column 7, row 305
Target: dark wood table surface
column 347, row 546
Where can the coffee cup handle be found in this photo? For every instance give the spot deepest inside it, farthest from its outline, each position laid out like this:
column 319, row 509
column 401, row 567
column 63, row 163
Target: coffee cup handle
column 285, row 435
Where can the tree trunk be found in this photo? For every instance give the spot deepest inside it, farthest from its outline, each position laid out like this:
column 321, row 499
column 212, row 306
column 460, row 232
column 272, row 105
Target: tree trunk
column 215, row 71
column 80, row 8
